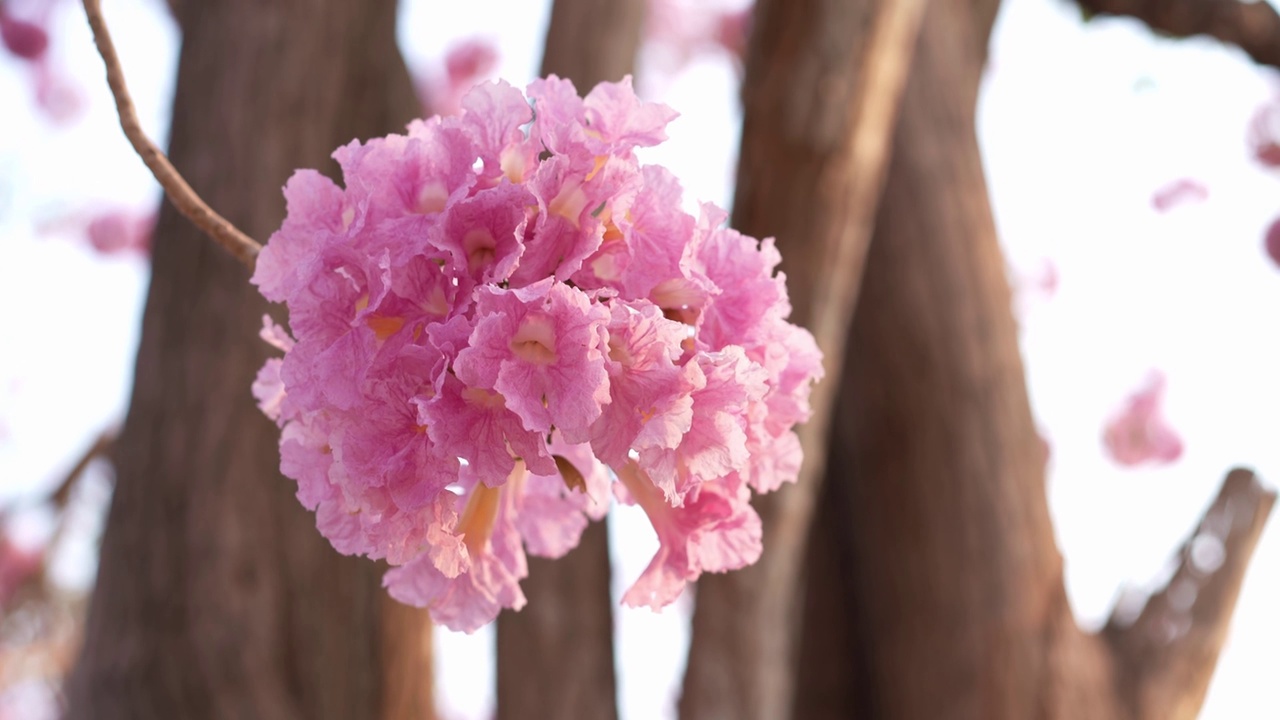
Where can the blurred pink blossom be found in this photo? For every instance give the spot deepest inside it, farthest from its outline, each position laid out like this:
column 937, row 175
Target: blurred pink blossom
column 57, row 94
column 1183, row 191
column 1031, row 287
column 1138, row 433
column 733, row 28
column 25, row 35
column 467, row 63
column 470, row 59
column 118, row 231
column 1272, row 242
column 681, row 30
column 25, row 39
column 1264, row 134
column 17, row 566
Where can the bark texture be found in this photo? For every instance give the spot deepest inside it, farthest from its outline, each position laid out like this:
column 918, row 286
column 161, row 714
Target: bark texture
column 823, row 83
column 935, row 481
column 593, row 41
column 216, row 596
column 934, row 582
column 555, row 656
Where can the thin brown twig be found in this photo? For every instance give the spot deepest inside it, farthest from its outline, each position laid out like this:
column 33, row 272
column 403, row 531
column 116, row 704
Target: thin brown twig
column 244, row 248
column 1254, row 27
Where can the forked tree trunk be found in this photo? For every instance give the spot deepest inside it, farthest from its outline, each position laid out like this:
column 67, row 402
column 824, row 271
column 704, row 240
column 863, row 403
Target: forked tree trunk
column 951, row 587
column 934, row 583
column 555, row 656
column 822, row 88
column 216, row 596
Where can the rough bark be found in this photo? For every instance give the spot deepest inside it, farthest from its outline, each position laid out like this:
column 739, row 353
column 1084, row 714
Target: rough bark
column 933, row 574
column 934, row 471
column 216, row 596
column 555, row 656
column 823, row 82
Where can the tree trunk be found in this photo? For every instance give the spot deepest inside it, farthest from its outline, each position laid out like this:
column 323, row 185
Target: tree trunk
column 935, row 479
column 593, row 41
column 934, row 581
column 823, row 83
column 216, row 596
column 555, row 656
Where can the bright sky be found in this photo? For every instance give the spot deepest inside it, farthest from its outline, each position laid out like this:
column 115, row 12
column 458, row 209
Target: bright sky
column 1080, row 124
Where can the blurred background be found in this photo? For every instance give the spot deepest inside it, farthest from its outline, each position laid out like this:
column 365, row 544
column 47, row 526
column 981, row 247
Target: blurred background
column 1134, row 179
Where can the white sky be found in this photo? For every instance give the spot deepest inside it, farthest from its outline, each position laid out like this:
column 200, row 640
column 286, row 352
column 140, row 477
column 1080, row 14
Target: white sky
column 1079, row 125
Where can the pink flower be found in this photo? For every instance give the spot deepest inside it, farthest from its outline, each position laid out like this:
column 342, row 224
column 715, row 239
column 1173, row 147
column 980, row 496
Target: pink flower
column 1182, row 191
column 792, row 360
column 24, row 39
column 716, row 531
column 611, row 120
column 616, row 119
column 1033, row 286
column 481, row 429
column 18, row 566
column 652, row 401
column 542, row 348
column 1264, row 134
column 483, row 233
column 494, row 311
column 494, row 117
column 742, row 268
column 648, row 245
column 721, row 385
column 481, row 577
column 471, row 59
column 678, row 31
column 1138, row 433
column 552, row 514
column 57, row 94
column 577, row 196
column 490, row 563
column 733, row 28
column 467, row 63
column 119, row 232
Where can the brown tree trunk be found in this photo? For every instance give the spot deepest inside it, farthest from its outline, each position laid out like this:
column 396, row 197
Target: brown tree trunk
column 935, row 480
column 555, row 656
column 593, row 41
column 934, row 583
column 822, row 88
column 216, row 596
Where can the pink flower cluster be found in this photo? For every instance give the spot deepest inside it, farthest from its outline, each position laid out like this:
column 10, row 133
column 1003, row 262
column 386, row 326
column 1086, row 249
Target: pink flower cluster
column 24, row 33
column 503, row 320
column 1138, row 433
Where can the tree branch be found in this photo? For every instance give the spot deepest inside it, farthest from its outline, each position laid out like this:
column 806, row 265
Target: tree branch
column 244, row 248
column 1167, row 654
column 100, row 447
column 1253, row 27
